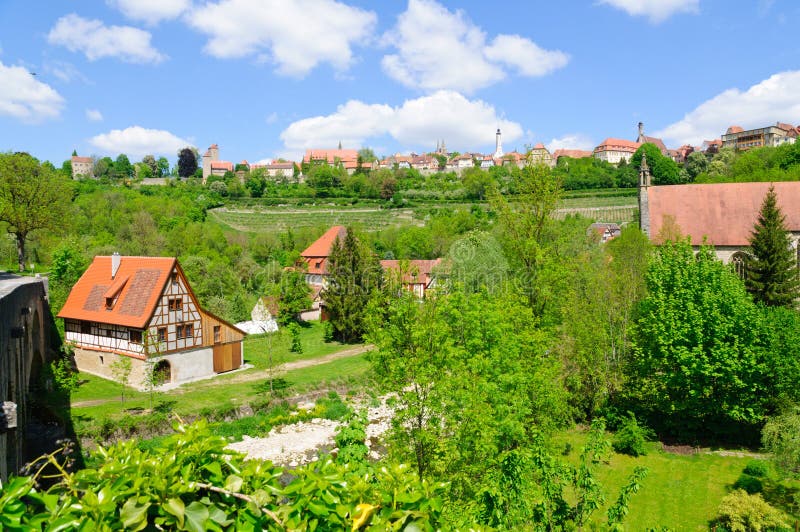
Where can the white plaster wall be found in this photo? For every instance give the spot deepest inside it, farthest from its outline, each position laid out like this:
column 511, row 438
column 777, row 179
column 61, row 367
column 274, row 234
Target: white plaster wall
column 190, row 365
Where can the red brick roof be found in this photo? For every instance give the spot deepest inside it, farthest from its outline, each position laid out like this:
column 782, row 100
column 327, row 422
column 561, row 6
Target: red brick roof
column 617, row 145
column 316, row 255
column 415, row 271
column 725, row 213
column 139, row 282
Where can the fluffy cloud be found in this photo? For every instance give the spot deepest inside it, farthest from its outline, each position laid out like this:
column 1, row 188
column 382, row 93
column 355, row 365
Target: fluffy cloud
column 96, row 40
column 268, row 29
column 571, row 141
column 464, row 124
column 440, row 49
column 24, row 97
column 774, row 99
column 656, row 10
column 137, row 141
column 151, row 11
column 94, row 115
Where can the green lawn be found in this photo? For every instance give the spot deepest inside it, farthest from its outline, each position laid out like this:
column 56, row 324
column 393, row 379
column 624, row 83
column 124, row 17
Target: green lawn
column 681, row 492
column 257, row 348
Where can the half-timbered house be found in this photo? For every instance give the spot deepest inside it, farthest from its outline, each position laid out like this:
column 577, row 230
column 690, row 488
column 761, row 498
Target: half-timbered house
column 143, row 308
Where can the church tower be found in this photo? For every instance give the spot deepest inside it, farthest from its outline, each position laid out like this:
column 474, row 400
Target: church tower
column 498, row 146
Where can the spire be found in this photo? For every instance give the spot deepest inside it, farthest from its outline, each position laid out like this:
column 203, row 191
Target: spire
column 640, row 139
column 340, row 144
column 498, row 146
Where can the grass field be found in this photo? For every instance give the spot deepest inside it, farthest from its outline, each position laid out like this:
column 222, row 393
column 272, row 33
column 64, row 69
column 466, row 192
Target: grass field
column 680, row 492
column 618, row 209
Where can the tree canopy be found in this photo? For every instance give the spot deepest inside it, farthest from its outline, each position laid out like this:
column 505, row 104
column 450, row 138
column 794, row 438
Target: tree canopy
column 187, row 163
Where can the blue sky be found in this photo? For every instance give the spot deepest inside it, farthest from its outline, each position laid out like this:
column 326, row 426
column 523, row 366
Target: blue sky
column 270, row 78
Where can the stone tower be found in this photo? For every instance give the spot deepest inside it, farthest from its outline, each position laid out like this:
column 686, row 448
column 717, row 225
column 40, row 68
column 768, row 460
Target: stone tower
column 644, row 186
column 212, row 154
column 498, row 145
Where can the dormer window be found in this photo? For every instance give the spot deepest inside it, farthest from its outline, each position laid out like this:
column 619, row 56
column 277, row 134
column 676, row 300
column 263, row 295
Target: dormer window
column 110, row 302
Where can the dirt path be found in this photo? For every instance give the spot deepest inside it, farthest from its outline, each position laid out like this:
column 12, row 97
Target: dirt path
column 255, row 375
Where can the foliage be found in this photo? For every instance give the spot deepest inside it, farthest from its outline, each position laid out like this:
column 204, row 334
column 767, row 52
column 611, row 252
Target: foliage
column 696, row 164
column 742, row 512
column 748, row 483
column 631, row 437
column 350, row 437
column 772, row 275
column 294, row 332
column 663, row 169
column 32, row 197
column 190, row 482
column 295, row 296
column 781, row 438
column 65, row 377
column 757, row 468
column 698, row 366
column 476, row 262
column 121, row 371
column 187, row 162
column 354, row 273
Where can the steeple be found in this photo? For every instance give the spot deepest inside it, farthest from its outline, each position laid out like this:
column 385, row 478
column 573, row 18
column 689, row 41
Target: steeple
column 340, row 144
column 641, row 138
column 498, row 145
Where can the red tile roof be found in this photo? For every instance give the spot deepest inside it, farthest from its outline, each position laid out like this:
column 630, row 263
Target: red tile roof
column 658, row 142
column 414, row 271
column 617, row 145
column 330, row 156
column 227, row 165
column 539, row 146
column 724, row 213
column 139, row 283
column 76, row 159
column 734, row 129
column 316, row 255
column 575, row 154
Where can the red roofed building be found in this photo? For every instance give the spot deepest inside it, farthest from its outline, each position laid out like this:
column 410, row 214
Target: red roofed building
column 573, row 154
column 316, row 255
column 541, row 155
column 82, row 167
column 212, row 165
column 143, row 308
column 739, row 139
column 416, row 276
column 722, row 215
column 347, row 158
column 614, row 150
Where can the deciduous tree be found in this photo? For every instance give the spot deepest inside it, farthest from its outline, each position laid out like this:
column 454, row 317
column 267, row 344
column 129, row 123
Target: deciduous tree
column 187, row 162
column 32, row 197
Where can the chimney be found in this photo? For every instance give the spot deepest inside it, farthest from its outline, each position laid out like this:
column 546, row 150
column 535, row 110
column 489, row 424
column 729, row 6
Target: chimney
column 115, row 261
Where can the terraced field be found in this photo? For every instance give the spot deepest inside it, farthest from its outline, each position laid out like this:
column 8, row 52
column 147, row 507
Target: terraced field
column 374, row 218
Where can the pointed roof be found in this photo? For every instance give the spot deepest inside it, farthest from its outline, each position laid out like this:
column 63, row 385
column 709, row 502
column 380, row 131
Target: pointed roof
column 138, row 286
column 322, row 246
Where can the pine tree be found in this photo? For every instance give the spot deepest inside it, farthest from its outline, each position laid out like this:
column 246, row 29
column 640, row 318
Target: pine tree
column 354, row 273
column 772, row 276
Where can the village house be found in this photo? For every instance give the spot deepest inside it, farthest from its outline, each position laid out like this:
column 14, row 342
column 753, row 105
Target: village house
column 143, row 308
column 347, row 158
column 643, row 139
column 721, row 215
column 82, row 167
column 212, row 165
column 541, row 155
column 744, row 139
column 614, row 150
column 604, row 231
column 461, row 162
column 416, row 276
column 25, row 349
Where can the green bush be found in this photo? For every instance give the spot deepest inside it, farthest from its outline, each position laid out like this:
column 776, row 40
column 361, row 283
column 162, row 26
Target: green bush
column 631, row 437
column 748, row 483
column 757, row 468
column 742, row 512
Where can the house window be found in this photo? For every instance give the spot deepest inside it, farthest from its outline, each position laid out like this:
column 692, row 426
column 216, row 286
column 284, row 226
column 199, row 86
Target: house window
column 184, row 330
column 109, row 303
column 175, row 304
column 134, row 336
column 217, row 334
column 86, row 327
column 162, row 334
column 175, row 278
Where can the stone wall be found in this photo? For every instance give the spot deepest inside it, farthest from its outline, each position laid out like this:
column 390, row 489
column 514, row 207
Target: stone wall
column 25, row 348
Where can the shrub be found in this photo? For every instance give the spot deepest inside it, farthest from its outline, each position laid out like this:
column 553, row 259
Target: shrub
column 742, row 512
column 756, row 468
column 748, row 483
column 631, row 437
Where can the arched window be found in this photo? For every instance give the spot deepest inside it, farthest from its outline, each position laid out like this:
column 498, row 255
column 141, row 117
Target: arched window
column 739, row 262
column 162, row 372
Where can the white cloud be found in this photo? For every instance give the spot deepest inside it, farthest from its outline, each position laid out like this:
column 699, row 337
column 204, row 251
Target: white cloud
column 440, row 49
column 656, row 10
column 464, row 124
column 272, row 118
column 94, row 115
column 151, row 11
column 65, row 72
column 136, row 141
column 96, row 40
column 24, row 97
column 774, row 99
column 571, row 141
column 296, row 36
